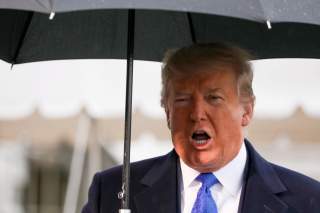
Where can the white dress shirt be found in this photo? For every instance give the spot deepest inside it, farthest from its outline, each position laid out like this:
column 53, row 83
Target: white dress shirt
column 226, row 193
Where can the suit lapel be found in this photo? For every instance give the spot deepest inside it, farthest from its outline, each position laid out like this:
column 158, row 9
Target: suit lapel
column 261, row 187
column 258, row 198
column 160, row 188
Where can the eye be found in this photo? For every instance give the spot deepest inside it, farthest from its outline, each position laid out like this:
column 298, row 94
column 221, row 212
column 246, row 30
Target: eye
column 214, row 98
column 180, row 99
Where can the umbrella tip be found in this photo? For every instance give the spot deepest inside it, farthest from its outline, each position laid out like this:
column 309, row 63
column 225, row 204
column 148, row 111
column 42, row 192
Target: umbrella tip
column 52, row 14
column 269, row 24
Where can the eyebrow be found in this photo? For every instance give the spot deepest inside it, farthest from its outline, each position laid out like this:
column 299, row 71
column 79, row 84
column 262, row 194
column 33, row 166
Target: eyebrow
column 210, row 90
column 182, row 93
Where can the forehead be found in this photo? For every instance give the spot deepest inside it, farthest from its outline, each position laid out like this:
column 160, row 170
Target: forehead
column 204, row 79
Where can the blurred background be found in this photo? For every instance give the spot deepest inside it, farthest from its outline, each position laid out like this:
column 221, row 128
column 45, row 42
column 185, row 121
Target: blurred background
column 62, row 121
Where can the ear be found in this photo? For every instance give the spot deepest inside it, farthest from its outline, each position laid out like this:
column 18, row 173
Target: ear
column 247, row 113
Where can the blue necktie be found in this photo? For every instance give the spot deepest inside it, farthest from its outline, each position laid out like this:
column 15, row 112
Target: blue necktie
column 204, row 202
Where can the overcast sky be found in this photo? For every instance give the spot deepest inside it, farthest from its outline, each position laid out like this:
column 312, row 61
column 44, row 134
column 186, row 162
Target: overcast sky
column 61, row 88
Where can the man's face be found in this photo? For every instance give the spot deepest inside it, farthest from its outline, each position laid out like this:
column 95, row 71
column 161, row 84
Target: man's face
column 206, row 118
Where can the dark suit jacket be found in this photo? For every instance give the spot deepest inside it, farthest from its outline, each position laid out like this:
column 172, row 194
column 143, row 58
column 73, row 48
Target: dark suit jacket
column 154, row 188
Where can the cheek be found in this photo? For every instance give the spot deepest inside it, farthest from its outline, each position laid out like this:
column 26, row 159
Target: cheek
column 180, row 142
column 178, row 119
column 234, row 115
column 227, row 123
column 179, row 127
column 178, row 130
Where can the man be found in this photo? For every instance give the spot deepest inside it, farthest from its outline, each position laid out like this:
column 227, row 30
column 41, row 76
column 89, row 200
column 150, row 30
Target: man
column 208, row 99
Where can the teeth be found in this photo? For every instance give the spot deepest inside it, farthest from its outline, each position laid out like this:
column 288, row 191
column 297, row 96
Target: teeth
column 200, row 141
column 200, row 132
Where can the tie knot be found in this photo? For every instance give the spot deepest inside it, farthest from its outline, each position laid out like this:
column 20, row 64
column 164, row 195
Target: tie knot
column 207, row 179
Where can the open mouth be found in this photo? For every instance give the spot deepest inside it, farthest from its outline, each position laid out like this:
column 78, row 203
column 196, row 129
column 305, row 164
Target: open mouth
column 200, row 137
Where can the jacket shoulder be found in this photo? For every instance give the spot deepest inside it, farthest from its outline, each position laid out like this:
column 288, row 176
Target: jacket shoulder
column 301, row 188
column 296, row 181
column 104, row 189
column 137, row 169
column 299, row 192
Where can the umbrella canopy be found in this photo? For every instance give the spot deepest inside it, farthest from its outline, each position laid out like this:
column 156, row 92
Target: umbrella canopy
column 306, row 11
column 100, row 34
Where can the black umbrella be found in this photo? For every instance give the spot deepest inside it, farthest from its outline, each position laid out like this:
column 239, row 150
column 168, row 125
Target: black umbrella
column 30, row 36
column 27, row 36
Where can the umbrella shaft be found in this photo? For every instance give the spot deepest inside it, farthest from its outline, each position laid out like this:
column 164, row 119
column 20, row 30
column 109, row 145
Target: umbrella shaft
column 128, row 113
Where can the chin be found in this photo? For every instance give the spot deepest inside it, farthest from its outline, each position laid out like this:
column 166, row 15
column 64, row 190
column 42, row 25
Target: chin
column 206, row 165
column 205, row 168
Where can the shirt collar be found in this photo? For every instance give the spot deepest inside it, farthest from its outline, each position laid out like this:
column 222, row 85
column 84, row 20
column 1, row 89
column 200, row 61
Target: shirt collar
column 188, row 175
column 230, row 176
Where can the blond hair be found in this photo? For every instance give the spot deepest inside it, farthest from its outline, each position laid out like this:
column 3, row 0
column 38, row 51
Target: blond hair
column 189, row 59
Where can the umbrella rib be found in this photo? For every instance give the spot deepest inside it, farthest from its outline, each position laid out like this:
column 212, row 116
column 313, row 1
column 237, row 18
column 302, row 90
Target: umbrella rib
column 46, row 6
column 21, row 40
column 191, row 27
column 265, row 15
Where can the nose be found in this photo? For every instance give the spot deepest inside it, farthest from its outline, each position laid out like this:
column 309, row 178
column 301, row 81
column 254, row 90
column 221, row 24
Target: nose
column 198, row 111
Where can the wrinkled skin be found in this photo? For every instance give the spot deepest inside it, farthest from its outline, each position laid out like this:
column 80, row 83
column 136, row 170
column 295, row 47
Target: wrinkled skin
column 207, row 102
